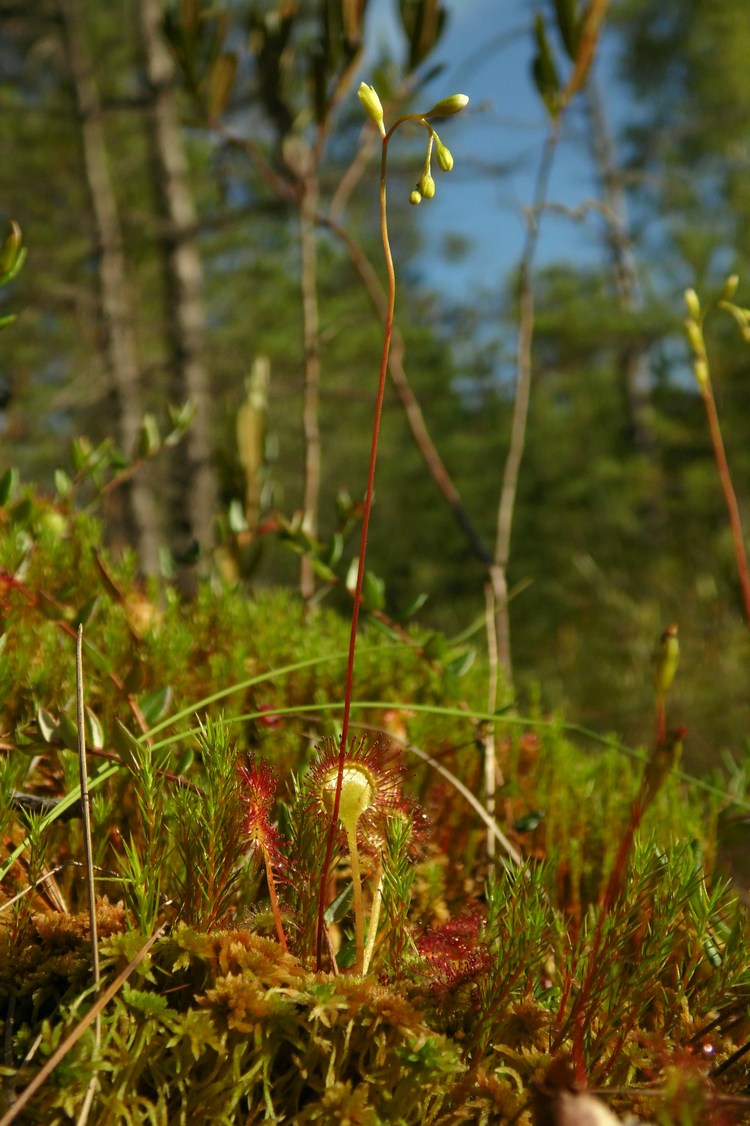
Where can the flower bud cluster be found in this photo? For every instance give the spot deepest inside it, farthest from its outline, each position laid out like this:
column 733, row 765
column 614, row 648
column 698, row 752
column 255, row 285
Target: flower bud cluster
column 447, row 107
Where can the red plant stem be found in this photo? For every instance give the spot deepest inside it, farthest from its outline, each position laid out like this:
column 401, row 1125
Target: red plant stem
column 271, row 880
column 362, row 546
column 730, row 497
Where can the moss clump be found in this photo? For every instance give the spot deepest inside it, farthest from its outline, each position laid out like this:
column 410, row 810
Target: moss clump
column 228, row 1027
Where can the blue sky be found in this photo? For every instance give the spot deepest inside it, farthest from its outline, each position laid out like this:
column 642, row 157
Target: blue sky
column 487, row 48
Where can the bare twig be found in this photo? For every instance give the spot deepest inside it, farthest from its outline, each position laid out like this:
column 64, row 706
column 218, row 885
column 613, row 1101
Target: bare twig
column 519, row 422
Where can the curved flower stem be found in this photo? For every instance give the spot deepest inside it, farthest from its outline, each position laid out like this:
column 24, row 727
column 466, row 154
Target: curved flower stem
column 730, row 496
column 367, row 509
column 359, row 911
column 702, row 370
column 372, row 931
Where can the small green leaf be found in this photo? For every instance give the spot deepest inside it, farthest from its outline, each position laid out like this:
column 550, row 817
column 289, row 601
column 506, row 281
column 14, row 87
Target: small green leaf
column 84, row 613
column 63, row 483
column 569, row 25
column 8, row 485
column 347, row 954
column 236, row 517
column 149, row 438
column 12, row 254
column 323, row 571
column 80, row 452
column 461, row 662
column 341, row 905
column 102, row 662
column 68, row 732
column 530, row 822
column 186, row 761
column 414, row 607
column 180, row 419
column 334, row 550
column 544, row 69
column 436, row 647
column 48, row 726
column 373, row 591
column 94, row 731
column 127, row 746
column 154, row 705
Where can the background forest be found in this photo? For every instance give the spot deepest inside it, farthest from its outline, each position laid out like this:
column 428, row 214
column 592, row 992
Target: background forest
column 197, row 191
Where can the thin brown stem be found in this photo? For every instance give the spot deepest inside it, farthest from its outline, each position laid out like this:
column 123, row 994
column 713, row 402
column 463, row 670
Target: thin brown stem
column 730, row 497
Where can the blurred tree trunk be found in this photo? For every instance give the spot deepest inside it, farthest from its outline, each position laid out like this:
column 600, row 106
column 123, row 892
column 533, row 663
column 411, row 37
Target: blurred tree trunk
column 196, row 478
column 633, row 359
column 141, row 515
column 311, row 408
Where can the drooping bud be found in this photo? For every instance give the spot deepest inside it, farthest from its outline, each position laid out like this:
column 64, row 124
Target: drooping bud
column 693, row 304
column 449, row 106
column 368, row 96
column 700, row 367
column 12, row 253
column 426, row 185
column 695, row 337
column 415, row 198
column 444, row 157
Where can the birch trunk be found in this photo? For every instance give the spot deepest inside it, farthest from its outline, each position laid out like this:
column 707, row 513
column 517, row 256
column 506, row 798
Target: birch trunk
column 114, row 295
column 196, row 479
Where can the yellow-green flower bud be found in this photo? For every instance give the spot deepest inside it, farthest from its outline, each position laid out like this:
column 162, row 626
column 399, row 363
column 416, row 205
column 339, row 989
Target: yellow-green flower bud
column 730, row 287
column 12, row 253
column 415, row 197
column 701, row 372
column 444, row 157
column 693, row 304
column 695, row 336
column 449, row 106
column 368, row 96
column 426, row 185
